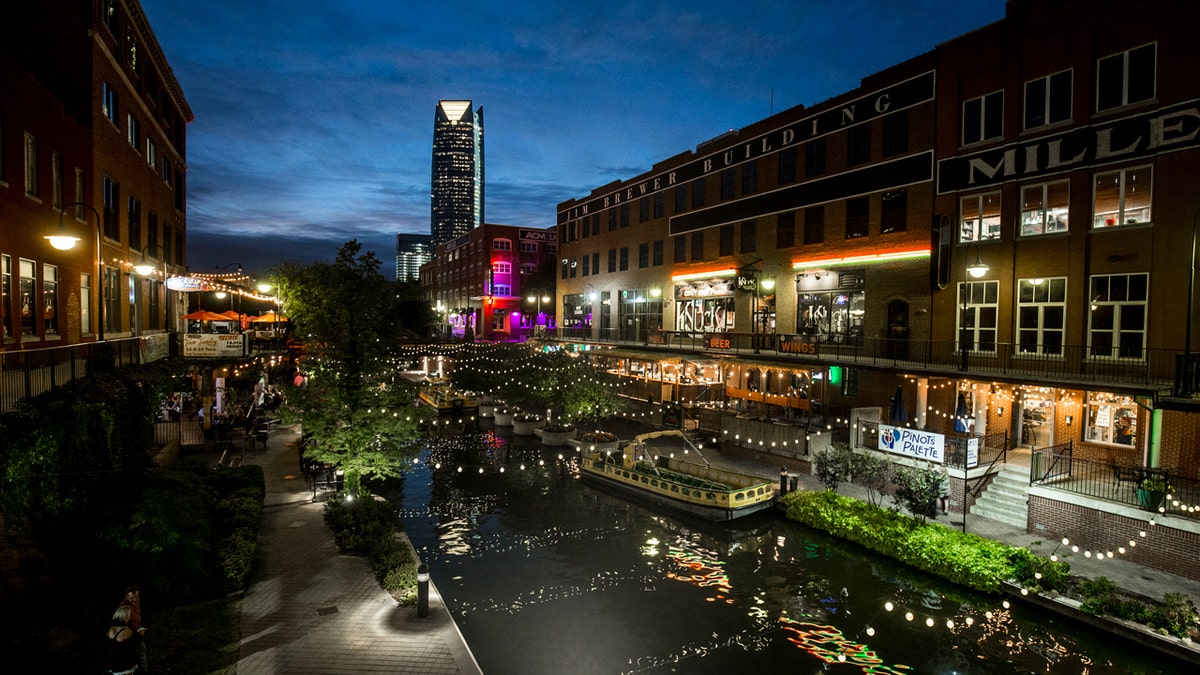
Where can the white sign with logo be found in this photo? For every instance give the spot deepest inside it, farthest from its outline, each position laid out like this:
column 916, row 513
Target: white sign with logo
column 913, row 443
column 972, row 453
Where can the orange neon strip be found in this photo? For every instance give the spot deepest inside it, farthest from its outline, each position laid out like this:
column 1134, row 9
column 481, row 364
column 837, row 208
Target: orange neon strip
column 871, row 257
column 727, row 272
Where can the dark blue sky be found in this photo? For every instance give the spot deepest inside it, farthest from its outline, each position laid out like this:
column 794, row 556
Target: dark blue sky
column 314, row 118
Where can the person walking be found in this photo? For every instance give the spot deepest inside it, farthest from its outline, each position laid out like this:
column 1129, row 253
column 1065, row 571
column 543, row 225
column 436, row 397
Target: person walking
column 123, row 643
column 133, row 601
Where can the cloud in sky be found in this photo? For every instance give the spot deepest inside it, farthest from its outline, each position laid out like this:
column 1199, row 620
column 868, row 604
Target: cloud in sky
column 314, row 118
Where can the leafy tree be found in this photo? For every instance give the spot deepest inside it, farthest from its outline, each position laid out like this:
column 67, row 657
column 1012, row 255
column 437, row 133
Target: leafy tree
column 874, row 473
column 917, row 490
column 353, row 406
column 832, row 466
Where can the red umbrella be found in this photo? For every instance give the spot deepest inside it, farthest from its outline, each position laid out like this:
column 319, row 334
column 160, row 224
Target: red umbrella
column 204, row 315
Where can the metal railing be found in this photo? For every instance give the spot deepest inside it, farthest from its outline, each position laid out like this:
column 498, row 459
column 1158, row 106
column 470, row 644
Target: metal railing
column 1056, row 468
column 29, row 372
column 1066, row 363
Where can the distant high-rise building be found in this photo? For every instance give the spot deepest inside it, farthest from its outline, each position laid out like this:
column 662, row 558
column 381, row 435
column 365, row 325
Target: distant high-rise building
column 412, row 251
column 457, row 176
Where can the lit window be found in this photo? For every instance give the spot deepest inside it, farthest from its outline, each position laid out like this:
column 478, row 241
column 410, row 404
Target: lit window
column 1044, row 208
column 980, row 218
column 978, row 315
column 1117, row 316
column 1110, row 419
column 1041, row 315
column 1122, row 197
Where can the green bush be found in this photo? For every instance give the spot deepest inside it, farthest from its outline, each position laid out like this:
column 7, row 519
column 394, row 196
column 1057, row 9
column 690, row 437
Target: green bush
column 368, row 527
column 402, row 583
column 965, row 559
column 1176, row 615
column 237, row 553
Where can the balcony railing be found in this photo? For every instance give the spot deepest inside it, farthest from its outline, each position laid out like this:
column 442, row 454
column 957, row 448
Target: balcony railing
column 29, row 372
column 1055, row 467
column 1149, row 367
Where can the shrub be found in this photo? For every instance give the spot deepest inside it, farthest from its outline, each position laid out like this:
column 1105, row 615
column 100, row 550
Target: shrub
column 237, row 553
column 359, row 524
column 832, row 466
column 917, row 490
column 1176, row 615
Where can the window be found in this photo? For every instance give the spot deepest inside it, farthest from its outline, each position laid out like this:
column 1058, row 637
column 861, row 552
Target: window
column 643, row 255
column 595, row 263
column 658, row 252
column 858, row 215
column 6, row 294
column 133, row 131
column 624, row 265
column 660, row 204
column 596, row 224
column 110, row 104
column 1048, row 100
column 50, row 299
column 151, row 153
column 726, row 240
column 698, row 245
column 787, row 165
column 1117, row 316
column 503, row 290
column 166, row 172
column 502, row 267
column 750, row 177
column 643, row 209
column 612, row 260
column 814, row 225
column 1110, row 419
column 56, row 180
column 112, row 199
column 698, row 192
column 108, row 13
column 587, row 265
column 858, row 145
column 680, row 198
column 983, row 118
column 501, row 244
column 1122, row 197
column 978, row 314
column 1044, row 208
column 85, row 303
column 566, row 266
column 1125, row 78
column 894, row 215
column 529, row 247
column 814, row 157
column 29, row 304
column 680, row 249
column 895, row 134
column 612, row 219
column 135, row 223
column 785, row 230
column 980, row 217
column 749, row 236
column 3, row 153
column 625, row 214
column 727, row 181
column 31, row 166
column 154, row 288
column 78, row 194
column 1041, row 315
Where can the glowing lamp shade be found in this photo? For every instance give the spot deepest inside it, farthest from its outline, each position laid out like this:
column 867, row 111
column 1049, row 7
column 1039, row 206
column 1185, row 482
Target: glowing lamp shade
column 61, row 238
column 768, row 284
column 977, row 268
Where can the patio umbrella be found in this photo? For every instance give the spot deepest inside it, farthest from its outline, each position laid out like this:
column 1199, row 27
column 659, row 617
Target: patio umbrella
column 231, row 315
column 204, row 315
column 898, row 413
column 269, row 317
column 960, row 414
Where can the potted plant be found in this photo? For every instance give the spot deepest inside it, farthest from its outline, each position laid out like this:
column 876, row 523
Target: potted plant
column 524, row 423
column 600, row 440
column 488, row 406
column 1151, row 492
column 504, row 415
column 556, row 434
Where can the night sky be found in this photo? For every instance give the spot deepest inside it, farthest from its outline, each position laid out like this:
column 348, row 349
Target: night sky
column 314, row 119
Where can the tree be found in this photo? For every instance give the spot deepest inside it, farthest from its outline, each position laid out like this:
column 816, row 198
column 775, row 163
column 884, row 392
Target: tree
column 917, row 490
column 354, row 407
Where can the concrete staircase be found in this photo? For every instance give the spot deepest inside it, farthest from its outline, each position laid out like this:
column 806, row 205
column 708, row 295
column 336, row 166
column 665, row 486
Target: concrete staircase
column 1006, row 498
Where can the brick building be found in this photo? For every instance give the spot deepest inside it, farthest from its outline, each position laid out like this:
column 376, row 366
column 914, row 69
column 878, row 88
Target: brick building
column 92, row 135
column 995, row 232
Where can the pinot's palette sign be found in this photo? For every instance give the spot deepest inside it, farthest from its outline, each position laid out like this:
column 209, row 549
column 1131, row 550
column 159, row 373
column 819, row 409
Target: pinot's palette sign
column 913, row 443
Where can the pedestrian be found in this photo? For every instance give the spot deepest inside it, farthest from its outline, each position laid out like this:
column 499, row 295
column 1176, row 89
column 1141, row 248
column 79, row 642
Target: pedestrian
column 133, row 600
column 123, row 643
column 943, row 490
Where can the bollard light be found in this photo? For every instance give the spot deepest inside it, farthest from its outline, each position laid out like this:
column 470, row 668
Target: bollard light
column 422, row 590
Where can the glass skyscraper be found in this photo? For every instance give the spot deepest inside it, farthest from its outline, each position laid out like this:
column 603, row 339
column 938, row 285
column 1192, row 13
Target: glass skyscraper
column 457, row 180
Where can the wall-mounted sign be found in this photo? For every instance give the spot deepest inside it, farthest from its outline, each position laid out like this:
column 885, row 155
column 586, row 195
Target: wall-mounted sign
column 913, row 443
column 798, row 344
column 719, row 341
column 214, row 344
column 187, row 284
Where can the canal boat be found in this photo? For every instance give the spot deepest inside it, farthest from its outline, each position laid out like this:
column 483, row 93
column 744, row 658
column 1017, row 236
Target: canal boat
column 441, row 396
column 640, row 472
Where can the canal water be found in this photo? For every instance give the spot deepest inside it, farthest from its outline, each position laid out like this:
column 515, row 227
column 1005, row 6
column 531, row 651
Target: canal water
column 547, row 574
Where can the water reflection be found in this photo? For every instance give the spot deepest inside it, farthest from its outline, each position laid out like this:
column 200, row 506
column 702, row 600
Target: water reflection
column 545, row 574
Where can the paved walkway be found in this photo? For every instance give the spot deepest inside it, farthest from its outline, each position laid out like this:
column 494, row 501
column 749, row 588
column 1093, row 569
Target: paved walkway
column 310, row 609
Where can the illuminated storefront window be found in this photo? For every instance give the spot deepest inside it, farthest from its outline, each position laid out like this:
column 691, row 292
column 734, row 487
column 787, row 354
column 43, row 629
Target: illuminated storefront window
column 1111, row 419
column 704, row 307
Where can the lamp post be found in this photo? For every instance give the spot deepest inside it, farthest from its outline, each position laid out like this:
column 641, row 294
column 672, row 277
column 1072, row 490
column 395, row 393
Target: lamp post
column 64, row 240
column 589, row 297
column 539, row 299
column 146, row 268
column 973, row 270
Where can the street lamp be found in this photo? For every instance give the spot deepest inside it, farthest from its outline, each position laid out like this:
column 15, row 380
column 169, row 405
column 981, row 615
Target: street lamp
column 973, row 270
column 65, row 240
column 539, row 299
column 146, row 268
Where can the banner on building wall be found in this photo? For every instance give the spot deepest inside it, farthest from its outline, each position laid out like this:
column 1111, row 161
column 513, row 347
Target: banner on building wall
column 912, row 443
column 214, row 344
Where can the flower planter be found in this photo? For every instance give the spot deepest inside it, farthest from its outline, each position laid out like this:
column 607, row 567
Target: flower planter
column 556, row 436
column 504, row 416
column 1150, row 499
column 488, row 407
column 602, row 441
column 523, row 425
